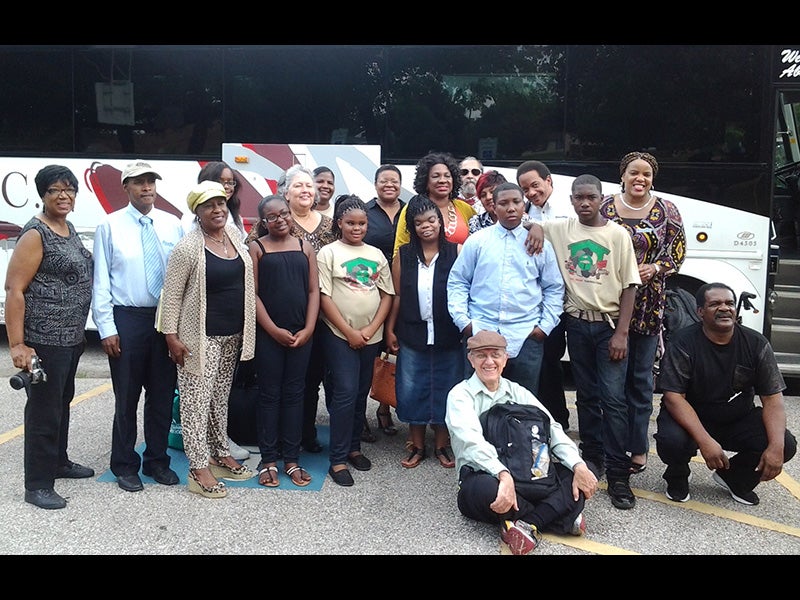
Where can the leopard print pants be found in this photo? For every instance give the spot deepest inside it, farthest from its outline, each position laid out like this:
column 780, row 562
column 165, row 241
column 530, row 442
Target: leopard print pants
column 204, row 401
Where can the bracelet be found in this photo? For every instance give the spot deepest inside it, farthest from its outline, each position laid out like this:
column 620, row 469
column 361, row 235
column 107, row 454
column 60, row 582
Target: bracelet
column 658, row 268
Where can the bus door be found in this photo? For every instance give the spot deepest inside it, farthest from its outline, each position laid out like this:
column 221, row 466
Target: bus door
column 786, row 194
column 785, row 325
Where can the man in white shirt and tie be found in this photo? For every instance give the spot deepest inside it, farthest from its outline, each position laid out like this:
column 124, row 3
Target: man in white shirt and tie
column 125, row 297
column 536, row 181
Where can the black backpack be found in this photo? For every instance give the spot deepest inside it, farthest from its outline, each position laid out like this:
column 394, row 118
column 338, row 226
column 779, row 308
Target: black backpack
column 680, row 310
column 521, row 435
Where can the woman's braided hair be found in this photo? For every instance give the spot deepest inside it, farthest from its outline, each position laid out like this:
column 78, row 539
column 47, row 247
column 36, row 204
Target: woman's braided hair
column 632, row 156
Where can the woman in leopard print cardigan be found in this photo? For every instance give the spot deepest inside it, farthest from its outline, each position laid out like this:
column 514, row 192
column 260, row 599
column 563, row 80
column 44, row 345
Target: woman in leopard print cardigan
column 209, row 274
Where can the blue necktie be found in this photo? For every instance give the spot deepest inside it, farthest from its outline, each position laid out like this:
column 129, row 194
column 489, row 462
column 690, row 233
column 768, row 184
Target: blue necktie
column 153, row 267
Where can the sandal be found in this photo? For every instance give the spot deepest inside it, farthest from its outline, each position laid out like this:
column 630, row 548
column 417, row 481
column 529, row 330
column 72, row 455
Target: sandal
column 416, row 456
column 305, row 478
column 445, row 456
column 221, row 470
column 270, row 480
column 385, row 422
column 638, row 467
column 215, row 491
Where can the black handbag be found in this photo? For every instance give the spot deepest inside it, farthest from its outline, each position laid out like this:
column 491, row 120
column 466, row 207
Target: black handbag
column 242, row 403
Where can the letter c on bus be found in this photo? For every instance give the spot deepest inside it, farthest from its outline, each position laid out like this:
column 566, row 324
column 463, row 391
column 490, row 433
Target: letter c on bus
column 6, row 185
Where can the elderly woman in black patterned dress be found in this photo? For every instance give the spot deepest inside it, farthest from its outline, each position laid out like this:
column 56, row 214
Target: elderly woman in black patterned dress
column 48, row 294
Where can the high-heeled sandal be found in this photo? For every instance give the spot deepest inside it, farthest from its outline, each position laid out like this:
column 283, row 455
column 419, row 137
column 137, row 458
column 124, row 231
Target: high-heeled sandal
column 367, row 435
column 385, row 422
column 220, row 470
column 215, row 491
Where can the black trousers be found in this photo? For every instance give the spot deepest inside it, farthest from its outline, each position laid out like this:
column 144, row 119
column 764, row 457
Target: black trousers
column 143, row 364
column 47, row 415
column 556, row 513
column 315, row 376
column 747, row 437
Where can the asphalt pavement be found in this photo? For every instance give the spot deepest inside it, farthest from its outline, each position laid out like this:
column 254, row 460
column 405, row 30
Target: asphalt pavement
column 389, row 511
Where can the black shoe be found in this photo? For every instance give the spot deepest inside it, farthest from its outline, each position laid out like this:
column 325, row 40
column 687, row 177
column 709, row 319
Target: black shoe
column 343, row 477
column 312, row 446
column 73, row 470
column 621, row 495
column 360, row 462
column 678, row 488
column 162, row 475
column 45, row 498
column 742, row 496
column 130, row 483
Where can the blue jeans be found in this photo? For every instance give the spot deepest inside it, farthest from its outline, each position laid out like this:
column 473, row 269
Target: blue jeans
column 599, row 393
column 551, row 377
column 348, row 376
column 526, row 366
column 639, row 389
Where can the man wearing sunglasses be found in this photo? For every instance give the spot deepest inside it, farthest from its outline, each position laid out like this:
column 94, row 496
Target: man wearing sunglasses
column 470, row 169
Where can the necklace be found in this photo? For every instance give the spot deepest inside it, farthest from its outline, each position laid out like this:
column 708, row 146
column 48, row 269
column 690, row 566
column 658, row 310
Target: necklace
column 223, row 242
column 452, row 222
column 642, row 207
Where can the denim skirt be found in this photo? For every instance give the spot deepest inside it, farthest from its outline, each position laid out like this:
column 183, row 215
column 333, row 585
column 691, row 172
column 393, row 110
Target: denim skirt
column 423, row 380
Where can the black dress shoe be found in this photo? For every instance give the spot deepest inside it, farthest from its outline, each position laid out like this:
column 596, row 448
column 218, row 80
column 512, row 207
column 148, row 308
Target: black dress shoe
column 130, row 483
column 343, row 477
column 73, row 470
column 313, row 446
column 360, row 462
column 45, row 498
column 162, row 475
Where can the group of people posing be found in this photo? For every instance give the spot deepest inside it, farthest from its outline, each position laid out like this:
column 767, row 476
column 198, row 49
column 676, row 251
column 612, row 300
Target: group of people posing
column 477, row 284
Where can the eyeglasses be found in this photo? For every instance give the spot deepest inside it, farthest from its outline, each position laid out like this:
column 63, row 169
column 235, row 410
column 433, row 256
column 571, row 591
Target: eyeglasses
column 58, row 191
column 284, row 214
column 231, row 183
column 475, row 172
column 481, row 356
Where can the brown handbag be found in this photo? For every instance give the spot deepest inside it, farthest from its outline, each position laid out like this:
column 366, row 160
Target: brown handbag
column 383, row 379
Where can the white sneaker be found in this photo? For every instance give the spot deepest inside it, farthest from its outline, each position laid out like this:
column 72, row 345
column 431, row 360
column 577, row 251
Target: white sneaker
column 237, row 451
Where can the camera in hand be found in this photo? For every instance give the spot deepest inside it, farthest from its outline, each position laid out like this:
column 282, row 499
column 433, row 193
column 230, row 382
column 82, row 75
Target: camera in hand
column 24, row 379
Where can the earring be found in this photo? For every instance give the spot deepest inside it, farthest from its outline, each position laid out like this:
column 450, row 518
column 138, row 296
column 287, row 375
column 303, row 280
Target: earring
column 622, row 186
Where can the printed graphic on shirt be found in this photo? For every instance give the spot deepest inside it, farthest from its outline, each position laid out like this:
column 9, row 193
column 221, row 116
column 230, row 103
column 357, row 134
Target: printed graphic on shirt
column 587, row 259
column 360, row 273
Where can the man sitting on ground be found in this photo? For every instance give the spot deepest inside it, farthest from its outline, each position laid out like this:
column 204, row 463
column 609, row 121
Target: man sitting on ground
column 487, row 491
